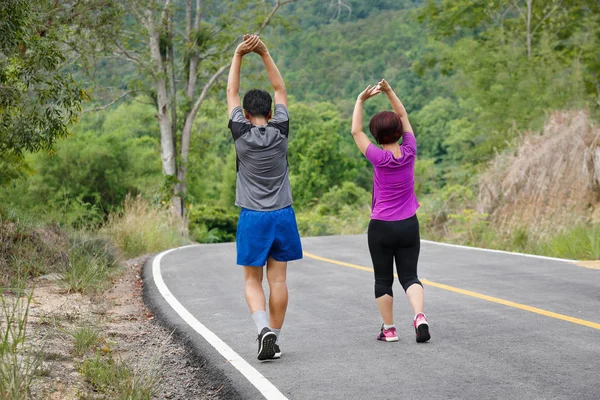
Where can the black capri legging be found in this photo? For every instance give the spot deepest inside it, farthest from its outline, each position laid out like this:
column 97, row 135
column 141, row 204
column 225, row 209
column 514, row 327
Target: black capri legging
column 389, row 240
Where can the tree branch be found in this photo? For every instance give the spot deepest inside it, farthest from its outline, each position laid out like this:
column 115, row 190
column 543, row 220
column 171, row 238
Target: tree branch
column 271, row 13
column 104, row 107
column 165, row 13
column 188, row 20
column 195, row 59
column 207, row 87
column 125, row 54
column 516, row 5
column 198, row 14
column 546, row 17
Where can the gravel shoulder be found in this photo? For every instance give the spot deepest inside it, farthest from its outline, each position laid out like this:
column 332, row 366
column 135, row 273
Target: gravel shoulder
column 127, row 329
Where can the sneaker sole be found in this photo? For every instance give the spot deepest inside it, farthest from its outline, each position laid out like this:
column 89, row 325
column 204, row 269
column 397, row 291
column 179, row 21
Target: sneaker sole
column 393, row 339
column 267, row 346
column 423, row 333
column 276, row 356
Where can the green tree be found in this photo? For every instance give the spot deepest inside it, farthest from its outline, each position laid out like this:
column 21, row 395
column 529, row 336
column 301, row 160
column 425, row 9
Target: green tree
column 90, row 173
column 38, row 100
column 508, row 63
column 318, row 151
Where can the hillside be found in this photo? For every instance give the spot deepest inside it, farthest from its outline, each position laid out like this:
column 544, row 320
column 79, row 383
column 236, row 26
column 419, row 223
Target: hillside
column 549, row 181
column 473, row 84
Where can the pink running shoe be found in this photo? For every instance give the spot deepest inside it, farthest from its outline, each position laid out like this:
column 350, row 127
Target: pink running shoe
column 421, row 328
column 388, row 335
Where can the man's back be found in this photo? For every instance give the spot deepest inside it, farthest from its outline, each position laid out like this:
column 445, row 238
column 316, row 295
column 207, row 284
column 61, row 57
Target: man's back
column 262, row 169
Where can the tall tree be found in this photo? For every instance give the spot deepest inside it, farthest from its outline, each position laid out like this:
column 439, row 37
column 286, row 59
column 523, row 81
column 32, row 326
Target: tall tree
column 181, row 49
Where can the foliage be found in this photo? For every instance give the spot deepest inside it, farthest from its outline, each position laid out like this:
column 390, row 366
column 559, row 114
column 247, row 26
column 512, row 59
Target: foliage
column 212, row 224
column 506, row 73
column 349, row 195
column 468, row 226
column 28, row 249
column 320, row 154
column 90, row 174
column 38, row 100
column 581, row 242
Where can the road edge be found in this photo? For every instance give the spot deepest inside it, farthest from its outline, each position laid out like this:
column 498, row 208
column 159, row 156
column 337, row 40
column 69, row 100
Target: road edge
column 212, row 370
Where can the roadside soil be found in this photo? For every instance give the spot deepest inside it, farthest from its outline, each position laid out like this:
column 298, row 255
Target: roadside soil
column 127, row 329
column 594, row 264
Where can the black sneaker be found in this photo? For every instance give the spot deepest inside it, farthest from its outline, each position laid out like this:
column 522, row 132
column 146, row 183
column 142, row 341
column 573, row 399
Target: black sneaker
column 277, row 352
column 266, row 344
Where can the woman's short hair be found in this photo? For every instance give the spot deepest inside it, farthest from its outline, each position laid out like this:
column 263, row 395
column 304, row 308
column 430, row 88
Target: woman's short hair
column 386, row 127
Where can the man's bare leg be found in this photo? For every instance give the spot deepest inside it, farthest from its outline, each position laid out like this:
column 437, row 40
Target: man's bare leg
column 255, row 295
column 278, row 299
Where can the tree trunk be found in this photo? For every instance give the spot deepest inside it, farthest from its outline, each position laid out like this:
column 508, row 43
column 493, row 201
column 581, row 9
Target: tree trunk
column 186, row 133
column 167, row 145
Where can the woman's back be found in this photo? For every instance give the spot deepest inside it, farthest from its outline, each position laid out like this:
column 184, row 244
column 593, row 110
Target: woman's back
column 394, row 181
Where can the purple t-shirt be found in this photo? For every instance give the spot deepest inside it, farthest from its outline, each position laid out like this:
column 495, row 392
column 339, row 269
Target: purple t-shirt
column 394, row 196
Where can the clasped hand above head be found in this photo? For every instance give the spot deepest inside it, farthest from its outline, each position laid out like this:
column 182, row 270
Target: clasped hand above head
column 370, row 91
column 251, row 43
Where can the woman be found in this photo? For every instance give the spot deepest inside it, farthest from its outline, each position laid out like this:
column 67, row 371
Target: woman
column 394, row 229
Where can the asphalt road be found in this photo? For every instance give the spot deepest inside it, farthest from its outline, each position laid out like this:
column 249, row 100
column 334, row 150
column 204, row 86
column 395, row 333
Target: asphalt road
column 503, row 326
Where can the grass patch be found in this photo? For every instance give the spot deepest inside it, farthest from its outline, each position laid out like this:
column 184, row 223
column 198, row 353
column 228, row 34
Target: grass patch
column 581, row 242
column 90, row 265
column 19, row 362
column 118, row 380
column 84, row 339
column 142, row 228
column 27, row 249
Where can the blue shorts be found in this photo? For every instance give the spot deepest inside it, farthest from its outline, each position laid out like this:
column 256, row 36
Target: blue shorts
column 264, row 234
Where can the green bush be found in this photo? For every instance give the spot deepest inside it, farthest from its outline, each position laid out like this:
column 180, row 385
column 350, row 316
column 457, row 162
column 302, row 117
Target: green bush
column 87, row 176
column 349, row 195
column 212, row 224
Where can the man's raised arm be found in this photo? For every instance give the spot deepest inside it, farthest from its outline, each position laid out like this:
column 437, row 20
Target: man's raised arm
column 233, row 80
column 273, row 73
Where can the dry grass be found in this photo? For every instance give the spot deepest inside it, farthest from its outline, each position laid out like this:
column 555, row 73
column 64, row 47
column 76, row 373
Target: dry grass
column 143, row 228
column 552, row 181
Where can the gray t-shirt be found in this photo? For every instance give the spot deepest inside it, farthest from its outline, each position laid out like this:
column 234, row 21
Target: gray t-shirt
column 262, row 169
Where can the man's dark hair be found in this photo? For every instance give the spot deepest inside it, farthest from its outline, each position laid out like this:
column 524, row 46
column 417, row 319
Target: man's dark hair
column 386, row 127
column 257, row 102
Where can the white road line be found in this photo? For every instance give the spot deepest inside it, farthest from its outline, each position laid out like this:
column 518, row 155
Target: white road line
column 500, row 251
column 256, row 378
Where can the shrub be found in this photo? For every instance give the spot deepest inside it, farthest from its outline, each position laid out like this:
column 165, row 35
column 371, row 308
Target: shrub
column 142, row 228
column 91, row 262
column 212, row 224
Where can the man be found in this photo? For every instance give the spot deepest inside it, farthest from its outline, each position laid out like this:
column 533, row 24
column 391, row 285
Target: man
column 267, row 233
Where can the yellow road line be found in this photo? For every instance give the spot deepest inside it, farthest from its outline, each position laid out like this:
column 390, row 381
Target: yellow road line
column 535, row 310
